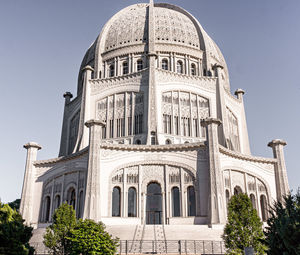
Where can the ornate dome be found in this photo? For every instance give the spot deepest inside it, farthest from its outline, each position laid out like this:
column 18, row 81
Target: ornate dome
column 173, row 26
column 129, row 27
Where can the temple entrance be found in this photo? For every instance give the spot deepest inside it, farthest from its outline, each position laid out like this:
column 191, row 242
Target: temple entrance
column 154, row 204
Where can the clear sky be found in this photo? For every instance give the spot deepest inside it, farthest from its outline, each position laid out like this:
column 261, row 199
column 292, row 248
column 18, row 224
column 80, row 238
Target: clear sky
column 42, row 44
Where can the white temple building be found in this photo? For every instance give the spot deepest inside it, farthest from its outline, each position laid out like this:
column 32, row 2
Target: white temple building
column 153, row 137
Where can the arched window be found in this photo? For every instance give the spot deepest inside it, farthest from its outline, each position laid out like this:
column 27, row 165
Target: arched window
column 80, row 204
column 179, row 66
column 56, row 202
column 175, row 202
column 164, row 64
column 116, row 202
column 125, row 67
column 132, row 202
column 193, row 69
column 71, row 197
column 168, row 141
column 112, row 70
column 47, row 208
column 263, row 206
column 252, row 198
column 140, row 65
column 191, row 201
column 227, row 196
column 237, row 190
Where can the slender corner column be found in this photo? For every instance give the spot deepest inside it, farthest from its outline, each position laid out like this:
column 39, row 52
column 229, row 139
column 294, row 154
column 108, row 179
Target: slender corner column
column 63, row 151
column 244, row 140
column 216, row 203
column 92, row 204
column 282, row 185
column 27, row 201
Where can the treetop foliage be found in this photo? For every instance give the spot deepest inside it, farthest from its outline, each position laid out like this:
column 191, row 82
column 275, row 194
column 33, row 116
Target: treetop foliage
column 14, row 235
column 243, row 228
column 283, row 230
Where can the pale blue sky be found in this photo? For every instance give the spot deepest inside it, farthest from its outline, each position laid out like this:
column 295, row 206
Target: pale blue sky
column 42, row 44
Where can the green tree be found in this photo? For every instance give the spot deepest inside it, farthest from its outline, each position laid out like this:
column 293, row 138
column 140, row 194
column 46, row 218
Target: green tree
column 89, row 238
column 243, row 228
column 55, row 238
column 15, row 204
column 14, row 235
column 283, row 230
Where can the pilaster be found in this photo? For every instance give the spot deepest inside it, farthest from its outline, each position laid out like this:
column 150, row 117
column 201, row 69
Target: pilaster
column 27, row 201
column 216, row 203
column 282, row 185
column 152, row 111
column 92, row 204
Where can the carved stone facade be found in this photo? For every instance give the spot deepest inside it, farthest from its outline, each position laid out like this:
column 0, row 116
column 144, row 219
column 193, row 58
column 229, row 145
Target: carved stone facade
column 154, row 135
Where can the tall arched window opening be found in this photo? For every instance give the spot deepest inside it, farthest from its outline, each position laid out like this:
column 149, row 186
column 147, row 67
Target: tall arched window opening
column 116, row 202
column 80, row 205
column 175, row 202
column 132, row 202
column 164, row 64
column 112, row 70
column 227, row 196
column 56, row 202
column 140, row 65
column 191, row 201
column 154, row 204
column 47, row 208
column 193, row 69
column 263, row 206
column 179, row 66
column 237, row 190
column 252, row 198
column 125, row 67
column 71, row 197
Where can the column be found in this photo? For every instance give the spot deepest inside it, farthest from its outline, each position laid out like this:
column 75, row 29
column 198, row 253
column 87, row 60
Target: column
column 182, row 200
column 140, row 194
column 92, row 203
column 167, row 209
column 216, row 203
column 27, row 197
column 244, row 138
column 63, row 151
column 124, row 193
column 282, row 185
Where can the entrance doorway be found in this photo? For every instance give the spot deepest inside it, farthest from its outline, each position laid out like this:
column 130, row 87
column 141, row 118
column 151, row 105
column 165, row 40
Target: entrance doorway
column 154, row 204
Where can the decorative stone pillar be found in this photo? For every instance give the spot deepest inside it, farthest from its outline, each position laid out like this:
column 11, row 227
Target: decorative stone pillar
column 92, row 204
column 27, row 201
column 63, row 151
column 282, row 185
column 216, row 203
column 83, row 136
column 221, row 107
column 244, row 139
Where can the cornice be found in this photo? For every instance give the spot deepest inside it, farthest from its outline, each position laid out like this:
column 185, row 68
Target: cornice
column 124, row 147
column 154, row 148
column 78, row 154
column 241, row 156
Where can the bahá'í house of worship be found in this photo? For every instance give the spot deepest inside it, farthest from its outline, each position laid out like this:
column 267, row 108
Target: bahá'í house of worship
column 153, row 144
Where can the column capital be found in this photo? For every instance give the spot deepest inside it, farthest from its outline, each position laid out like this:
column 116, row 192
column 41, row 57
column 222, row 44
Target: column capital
column 87, row 68
column 207, row 121
column 32, row 145
column 239, row 91
column 94, row 122
column 68, row 95
column 277, row 142
column 215, row 66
